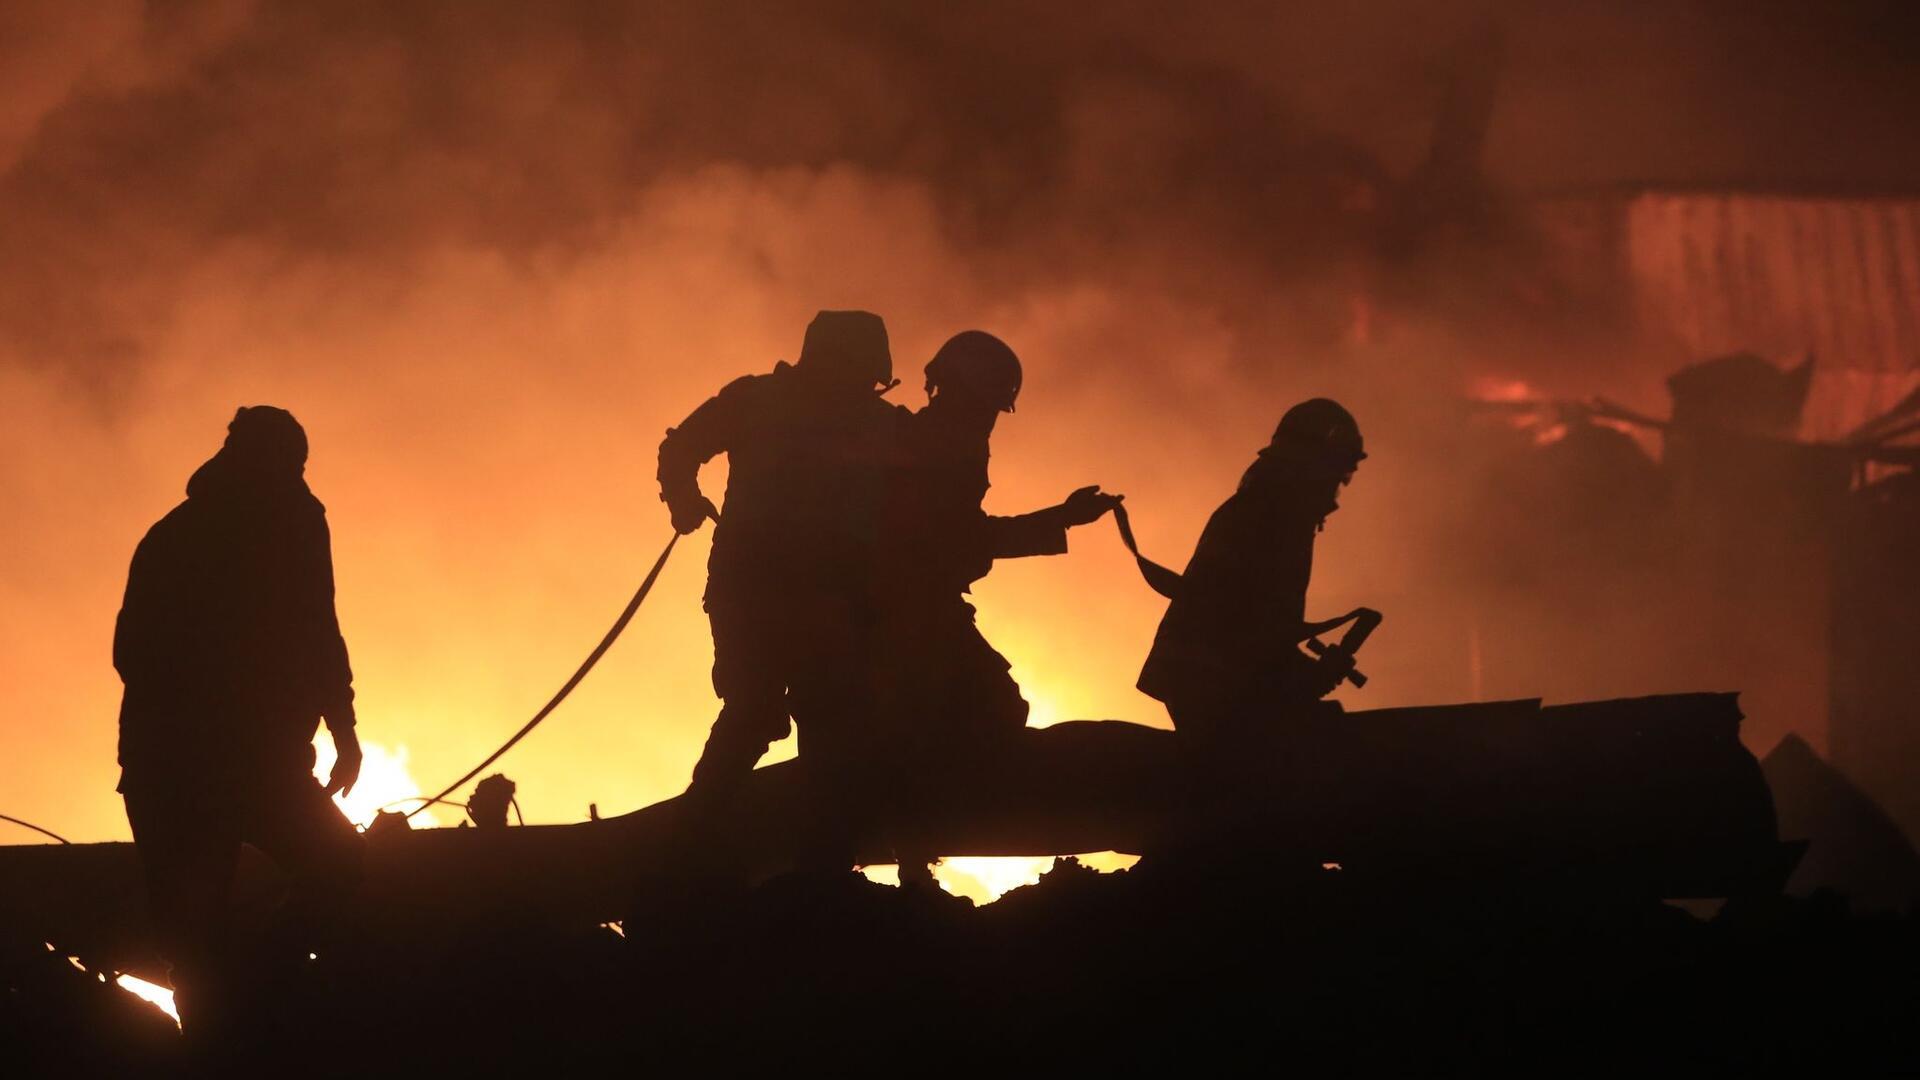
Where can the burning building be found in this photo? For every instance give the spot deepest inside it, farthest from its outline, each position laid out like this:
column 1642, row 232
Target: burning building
column 1811, row 553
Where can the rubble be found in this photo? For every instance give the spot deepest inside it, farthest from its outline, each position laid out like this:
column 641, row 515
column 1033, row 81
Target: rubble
column 1473, row 920
column 1162, row 966
column 1853, row 847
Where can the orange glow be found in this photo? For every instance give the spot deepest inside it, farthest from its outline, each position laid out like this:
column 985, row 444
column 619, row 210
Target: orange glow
column 488, row 285
column 1500, row 389
column 384, row 782
column 159, row 995
column 986, row 879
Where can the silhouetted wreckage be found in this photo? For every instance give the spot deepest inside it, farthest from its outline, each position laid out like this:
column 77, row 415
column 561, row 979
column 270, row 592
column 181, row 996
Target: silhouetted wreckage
column 1741, row 555
column 1876, row 604
column 1853, row 847
column 1500, row 871
column 61, row 1018
column 1648, row 798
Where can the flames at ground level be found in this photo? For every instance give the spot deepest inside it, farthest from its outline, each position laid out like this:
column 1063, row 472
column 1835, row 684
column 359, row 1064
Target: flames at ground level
column 387, row 783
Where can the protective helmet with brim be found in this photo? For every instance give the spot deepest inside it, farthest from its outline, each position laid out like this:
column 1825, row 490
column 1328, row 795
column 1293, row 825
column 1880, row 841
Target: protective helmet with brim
column 981, row 364
column 1320, row 427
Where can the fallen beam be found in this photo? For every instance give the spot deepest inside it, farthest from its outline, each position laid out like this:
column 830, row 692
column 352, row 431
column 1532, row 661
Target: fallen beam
column 1650, row 796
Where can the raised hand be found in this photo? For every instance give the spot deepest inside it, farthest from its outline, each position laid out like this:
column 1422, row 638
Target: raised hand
column 1088, row 504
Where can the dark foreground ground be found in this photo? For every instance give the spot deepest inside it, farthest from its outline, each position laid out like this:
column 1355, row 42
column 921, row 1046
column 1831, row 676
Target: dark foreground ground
column 1164, row 966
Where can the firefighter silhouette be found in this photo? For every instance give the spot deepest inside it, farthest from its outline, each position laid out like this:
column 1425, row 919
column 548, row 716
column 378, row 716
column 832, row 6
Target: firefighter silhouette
column 944, row 697
column 1226, row 654
column 806, row 446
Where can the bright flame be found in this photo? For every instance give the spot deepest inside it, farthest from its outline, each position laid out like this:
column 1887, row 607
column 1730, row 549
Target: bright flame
column 160, row 996
column 984, row 879
column 1042, row 710
column 384, row 780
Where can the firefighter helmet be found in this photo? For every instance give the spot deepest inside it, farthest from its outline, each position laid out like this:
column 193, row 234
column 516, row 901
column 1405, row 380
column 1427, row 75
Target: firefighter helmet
column 852, row 342
column 1321, row 426
column 980, row 364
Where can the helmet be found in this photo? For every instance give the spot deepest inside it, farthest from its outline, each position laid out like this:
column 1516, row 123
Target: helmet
column 981, row 363
column 853, row 343
column 1320, row 426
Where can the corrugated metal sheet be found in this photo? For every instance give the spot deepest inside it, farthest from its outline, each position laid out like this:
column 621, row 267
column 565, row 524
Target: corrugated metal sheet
column 1784, row 276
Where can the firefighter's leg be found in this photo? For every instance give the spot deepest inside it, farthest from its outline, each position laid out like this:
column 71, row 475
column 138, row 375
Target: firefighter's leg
column 293, row 821
column 986, row 683
column 750, row 676
column 841, row 751
column 188, row 849
column 958, row 707
column 846, row 781
column 749, row 723
column 1212, row 761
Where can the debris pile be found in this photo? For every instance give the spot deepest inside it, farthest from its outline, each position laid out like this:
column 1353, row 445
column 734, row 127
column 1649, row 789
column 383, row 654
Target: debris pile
column 1170, row 963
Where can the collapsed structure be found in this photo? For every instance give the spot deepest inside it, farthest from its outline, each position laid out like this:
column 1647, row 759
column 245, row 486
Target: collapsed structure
column 1829, row 277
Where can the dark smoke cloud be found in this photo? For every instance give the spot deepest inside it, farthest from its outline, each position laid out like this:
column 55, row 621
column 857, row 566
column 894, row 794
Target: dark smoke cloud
column 139, row 135
column 372, row 133
column 489, row 250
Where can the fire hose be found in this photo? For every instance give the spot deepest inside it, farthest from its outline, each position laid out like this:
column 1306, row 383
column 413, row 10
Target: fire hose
column 1162, row 580
column 35, row 828
column 1365, row 621
column 613, row 634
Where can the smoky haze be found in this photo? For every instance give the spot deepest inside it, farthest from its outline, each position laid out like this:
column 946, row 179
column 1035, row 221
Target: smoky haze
column 487, row 253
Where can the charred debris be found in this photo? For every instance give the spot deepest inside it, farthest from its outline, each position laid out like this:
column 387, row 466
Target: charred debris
column 1631, row 904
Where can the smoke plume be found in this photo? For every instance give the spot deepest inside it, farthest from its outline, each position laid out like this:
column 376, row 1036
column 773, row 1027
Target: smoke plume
column 488, row 252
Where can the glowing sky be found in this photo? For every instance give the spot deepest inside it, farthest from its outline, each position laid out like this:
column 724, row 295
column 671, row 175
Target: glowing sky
column 488, row 254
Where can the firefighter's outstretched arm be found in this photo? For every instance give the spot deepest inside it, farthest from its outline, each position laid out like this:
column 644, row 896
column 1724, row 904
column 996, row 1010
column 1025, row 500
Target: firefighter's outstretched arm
column 698, row 439
column 1044, row 532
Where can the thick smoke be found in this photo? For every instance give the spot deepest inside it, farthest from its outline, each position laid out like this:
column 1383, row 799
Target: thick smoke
column 488, row 252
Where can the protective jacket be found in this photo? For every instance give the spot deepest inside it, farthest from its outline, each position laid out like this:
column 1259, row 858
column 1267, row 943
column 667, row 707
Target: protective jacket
column 804, row 473
column 940, row 685
column 227, row 640
column 1229, row 638
column 939, row 539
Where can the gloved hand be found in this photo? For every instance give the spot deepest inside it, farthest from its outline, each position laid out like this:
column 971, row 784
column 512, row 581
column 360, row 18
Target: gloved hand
column 1087, row 505
column 1325, row 678
column 346, row 766
column 690, row 512
column 1305, row 678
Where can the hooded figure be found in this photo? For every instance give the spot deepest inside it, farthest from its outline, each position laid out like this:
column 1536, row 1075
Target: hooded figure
column 227, row 640
column 232, row 656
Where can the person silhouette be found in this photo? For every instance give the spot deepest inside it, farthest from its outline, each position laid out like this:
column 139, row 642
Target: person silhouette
column 1226, row 658
column 231, row 655
column 806, row 447
column 944, row 697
